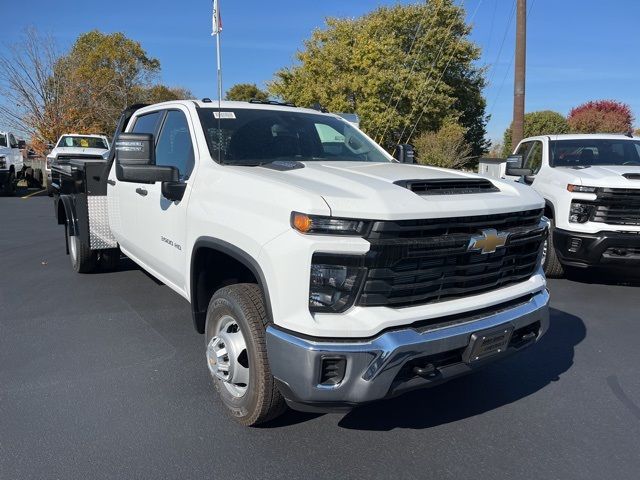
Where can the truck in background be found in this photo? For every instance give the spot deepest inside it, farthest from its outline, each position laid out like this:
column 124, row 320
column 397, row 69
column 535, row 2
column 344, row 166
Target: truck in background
column 72, row 145
column 591, row 187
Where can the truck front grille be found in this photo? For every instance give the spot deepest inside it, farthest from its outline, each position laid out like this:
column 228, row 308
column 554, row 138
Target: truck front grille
column 424, row 261
column 617, row 206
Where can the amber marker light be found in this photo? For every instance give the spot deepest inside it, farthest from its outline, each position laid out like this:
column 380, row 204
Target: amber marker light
column 301, row 222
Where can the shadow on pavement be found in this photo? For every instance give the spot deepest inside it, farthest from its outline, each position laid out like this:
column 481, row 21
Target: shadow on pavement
column 499, row 384
column 606, row 276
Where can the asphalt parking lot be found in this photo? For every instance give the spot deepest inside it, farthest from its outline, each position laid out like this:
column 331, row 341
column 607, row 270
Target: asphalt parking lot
column 103, row 376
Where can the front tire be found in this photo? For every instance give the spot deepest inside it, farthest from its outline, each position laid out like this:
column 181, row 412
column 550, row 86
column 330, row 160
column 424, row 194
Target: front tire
column 237, row 354
column 551, row 264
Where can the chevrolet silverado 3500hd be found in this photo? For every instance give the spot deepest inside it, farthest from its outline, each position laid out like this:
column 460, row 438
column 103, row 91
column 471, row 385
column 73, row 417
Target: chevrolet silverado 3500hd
column 323, row 273
column 591, row 187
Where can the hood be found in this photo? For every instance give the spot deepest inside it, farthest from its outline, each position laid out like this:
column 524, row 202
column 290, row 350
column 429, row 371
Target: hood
column 76, row 151
column 367, row 190
column 604, row 176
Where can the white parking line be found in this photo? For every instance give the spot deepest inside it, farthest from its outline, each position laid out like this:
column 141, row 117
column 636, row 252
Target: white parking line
column 34, row 193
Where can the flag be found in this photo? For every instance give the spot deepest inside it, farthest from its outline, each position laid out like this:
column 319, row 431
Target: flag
column 216, row 19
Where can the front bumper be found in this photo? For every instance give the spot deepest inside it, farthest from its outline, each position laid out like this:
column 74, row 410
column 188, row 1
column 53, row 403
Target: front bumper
column 603, row 248
column 386, row 365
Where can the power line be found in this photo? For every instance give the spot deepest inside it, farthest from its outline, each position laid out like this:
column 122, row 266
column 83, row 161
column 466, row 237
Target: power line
column 438, row 56
column 444, row 71
column 504, row 37
column 415, row 62
column 506, row 73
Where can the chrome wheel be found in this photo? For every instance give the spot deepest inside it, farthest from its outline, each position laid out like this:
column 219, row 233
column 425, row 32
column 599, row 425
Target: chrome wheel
column 227, row 357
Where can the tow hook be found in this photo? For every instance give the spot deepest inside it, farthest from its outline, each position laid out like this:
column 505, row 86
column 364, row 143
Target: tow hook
column 429, row 370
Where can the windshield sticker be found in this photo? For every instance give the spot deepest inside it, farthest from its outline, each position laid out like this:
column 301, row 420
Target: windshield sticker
column 224, row 115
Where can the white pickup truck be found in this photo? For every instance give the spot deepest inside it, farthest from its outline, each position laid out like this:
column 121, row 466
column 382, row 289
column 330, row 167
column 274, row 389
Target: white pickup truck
column 11, row 162
column 73, row 145
column 323, row 273
column 591, row 186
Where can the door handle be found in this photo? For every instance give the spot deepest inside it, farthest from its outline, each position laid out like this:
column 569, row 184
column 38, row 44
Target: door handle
column 141, row 191
column 111, row 182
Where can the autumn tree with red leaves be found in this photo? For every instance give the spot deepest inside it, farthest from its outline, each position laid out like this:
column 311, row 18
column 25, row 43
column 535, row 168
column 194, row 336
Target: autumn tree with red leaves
column 601, row 116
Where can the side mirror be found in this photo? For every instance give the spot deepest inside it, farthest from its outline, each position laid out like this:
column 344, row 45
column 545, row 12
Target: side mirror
column 515, row 167
column 405, row 153
column 136, row 162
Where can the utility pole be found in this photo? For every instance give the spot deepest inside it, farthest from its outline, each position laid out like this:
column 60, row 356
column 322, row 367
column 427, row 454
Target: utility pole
column 517, row 131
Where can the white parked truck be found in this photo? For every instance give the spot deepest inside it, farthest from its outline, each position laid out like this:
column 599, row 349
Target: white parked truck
column 11, row 162
column 591, row 187
column 73, row 145
column 322, row 273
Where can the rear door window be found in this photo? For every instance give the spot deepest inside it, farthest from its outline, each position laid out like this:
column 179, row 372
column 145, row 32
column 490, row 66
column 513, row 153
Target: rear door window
column 148, row 123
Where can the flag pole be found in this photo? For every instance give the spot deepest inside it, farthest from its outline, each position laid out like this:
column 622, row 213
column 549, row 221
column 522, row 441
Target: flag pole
column 219, row 70
column 217, row 30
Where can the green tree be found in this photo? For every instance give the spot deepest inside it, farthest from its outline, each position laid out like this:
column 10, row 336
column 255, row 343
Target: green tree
column 243, row 92
column 107, row 73
column 162, row 93
column 402, row 69
column 446, row 148
column 544, row 122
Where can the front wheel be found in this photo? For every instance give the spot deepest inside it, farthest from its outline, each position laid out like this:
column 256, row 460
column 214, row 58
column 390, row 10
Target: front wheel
column 237, row 354
column 550, row 262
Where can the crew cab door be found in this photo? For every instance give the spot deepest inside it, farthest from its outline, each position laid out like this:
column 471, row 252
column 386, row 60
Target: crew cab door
column 125, row 200
column 165, row 221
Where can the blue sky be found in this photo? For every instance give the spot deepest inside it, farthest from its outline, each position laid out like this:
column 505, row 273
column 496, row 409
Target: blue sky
column 578, row 50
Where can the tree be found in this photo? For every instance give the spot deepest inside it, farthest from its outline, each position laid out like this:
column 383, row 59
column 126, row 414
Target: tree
column 601, row 116
column 46, row 94
column 243, row 92
column 445, row 148
column 107, row 73
column 162, row 93
column 545, row 122
column 32, row 96
column 403, row 69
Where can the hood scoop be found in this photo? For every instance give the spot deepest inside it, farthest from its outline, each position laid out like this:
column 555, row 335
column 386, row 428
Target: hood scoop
column 448, row 186
column 283, row 165
column 631, row 176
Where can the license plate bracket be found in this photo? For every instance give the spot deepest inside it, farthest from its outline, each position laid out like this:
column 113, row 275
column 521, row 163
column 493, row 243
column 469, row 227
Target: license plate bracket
column 487, row 343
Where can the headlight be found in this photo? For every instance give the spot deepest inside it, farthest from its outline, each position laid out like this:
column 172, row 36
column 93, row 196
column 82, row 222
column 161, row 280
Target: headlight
column 581, row 188
column 334, row 282
column 580, row 212
column 315, row 224
column 3, row 162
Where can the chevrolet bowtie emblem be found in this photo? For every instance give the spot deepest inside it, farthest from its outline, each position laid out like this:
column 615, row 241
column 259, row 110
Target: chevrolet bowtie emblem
column 488, row 240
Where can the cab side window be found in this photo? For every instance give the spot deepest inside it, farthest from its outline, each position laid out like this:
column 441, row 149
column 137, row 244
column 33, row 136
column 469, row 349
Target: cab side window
column 533, row 159
column 174, row 147
column 12, row 141
column 523, row 149
column 147, row 123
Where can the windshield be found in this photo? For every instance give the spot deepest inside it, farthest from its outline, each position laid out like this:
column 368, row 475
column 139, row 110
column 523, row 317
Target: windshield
column 254, row 137
column 82, row 142
column 3, row 140
column 593, row 152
